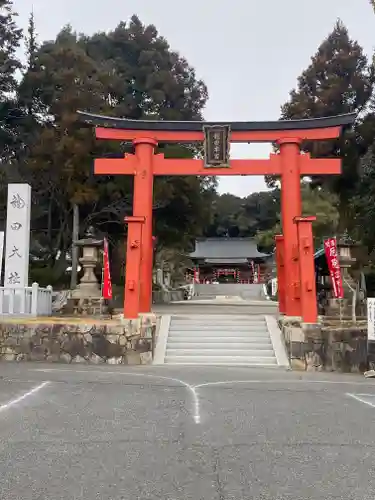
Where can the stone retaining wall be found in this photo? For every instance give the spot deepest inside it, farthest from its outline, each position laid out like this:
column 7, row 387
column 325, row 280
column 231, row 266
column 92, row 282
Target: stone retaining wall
column 114, row 342
column 330, row 347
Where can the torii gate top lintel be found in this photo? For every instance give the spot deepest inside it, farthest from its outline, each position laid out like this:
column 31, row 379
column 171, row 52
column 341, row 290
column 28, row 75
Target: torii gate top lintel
column 216, row 138
column 109, row 127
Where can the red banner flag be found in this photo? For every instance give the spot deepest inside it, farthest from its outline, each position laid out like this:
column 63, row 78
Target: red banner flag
column 107, row 283
column 330, row 247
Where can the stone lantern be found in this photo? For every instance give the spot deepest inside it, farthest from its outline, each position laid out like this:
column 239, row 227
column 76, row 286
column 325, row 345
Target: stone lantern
column 87, row 296
column 345, row 246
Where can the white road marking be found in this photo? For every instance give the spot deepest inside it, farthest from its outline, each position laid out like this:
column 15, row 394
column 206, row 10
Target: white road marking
column 191, row 388
column 15, row 401
column 226, row 382
column 365, row 382
column 360, row 398
column 280, row 381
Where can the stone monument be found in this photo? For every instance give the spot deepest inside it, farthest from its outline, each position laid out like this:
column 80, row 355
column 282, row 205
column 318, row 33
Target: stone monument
column 17, row 247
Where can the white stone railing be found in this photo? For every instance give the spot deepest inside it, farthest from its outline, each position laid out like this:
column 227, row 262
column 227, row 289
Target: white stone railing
column 28, row 301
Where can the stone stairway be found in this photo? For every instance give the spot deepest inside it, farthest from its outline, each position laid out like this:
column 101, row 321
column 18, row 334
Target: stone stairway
column 247, row 292
column 212, row 307
column 220, row 340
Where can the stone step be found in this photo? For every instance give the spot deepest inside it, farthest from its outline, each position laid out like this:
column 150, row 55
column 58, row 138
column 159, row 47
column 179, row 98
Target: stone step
column 236, row 365
column 221, row 352
column 197, row 334
column 222, row 360
column 240, row 340
column 218, row 328
column 204, row 309
column 218, row 318
column 221, row 321
column 219, row 342
column 224, row 319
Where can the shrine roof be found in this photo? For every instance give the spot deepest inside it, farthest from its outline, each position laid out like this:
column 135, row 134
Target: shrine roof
column 220, row 250
column 345, row 120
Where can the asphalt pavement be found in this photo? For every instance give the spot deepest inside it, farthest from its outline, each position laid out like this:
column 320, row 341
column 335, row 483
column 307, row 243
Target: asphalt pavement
column 171, row 433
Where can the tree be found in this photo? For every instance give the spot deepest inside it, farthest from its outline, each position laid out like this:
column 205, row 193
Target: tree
column 61, row 78
column 243, row 217
column 261, row 210
column 226, row 217
column 10, row 38
column 363, row 203
column 149, row 81
column 182, row 204
column 317, row 202
column 338, row 80
column 129, row 72
column 28, row 96
column 31, row 43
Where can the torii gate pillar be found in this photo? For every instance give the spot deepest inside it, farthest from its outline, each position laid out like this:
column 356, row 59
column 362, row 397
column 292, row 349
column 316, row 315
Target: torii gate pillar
column 280, row 263
column 133, row 266
column 142, row 207
column 291, row 205
column 309, row 306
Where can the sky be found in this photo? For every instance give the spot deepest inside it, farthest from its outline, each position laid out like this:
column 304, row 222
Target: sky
column 249, row 53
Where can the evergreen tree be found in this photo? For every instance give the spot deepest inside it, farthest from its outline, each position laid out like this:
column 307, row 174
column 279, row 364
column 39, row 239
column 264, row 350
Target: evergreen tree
column 338, row 80
column 243, row 217
column 363, row 203
column 314, row 201
column 124, row 73
column 31, row 43
column 150, row 79
column 28, row 94
column 10, row 38
column 60, row 79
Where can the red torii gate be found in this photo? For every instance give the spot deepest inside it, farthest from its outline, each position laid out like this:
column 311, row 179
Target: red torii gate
column 295, row 298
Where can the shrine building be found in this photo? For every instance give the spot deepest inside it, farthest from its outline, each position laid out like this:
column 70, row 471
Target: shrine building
column 229, row 260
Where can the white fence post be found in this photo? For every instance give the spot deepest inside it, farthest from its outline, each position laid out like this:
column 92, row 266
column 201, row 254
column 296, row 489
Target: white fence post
column 22, row 294
column 48, row 311
column 34, row 299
